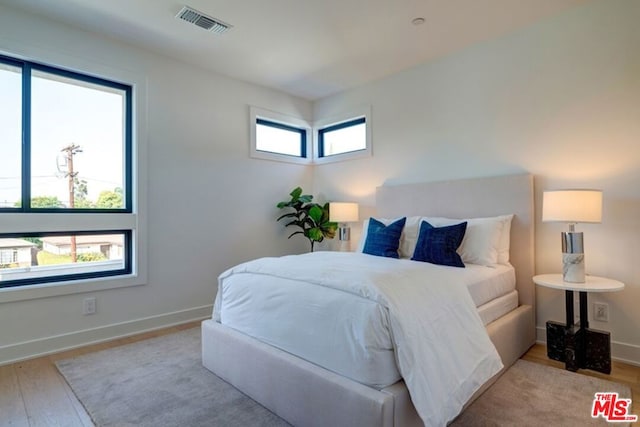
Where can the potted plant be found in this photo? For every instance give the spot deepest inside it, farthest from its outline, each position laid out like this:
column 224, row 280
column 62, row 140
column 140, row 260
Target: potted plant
column 312, row 219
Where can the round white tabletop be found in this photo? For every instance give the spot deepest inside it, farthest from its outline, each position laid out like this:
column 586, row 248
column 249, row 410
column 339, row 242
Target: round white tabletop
column 591, row 284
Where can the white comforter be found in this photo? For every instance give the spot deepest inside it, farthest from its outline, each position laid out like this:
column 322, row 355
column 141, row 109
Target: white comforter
column 443, row 351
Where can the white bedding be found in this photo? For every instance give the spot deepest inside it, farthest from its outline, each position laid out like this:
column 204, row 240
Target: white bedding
column 312, row 321
column 442, row 349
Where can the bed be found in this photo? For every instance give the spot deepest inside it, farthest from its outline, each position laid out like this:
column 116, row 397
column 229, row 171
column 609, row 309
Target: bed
column 329, row 392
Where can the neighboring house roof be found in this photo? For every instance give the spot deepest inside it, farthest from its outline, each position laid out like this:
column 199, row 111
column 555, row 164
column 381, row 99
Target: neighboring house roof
column 15, row 243
column 106, row 239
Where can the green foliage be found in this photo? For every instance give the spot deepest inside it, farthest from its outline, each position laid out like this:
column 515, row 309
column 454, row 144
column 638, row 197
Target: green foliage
column 34, row 240
column 311, row 218
column 106, row 199
column 110, row 199
column 82, row 204
column 43, row 202
column 80, row 193
column 91, row 256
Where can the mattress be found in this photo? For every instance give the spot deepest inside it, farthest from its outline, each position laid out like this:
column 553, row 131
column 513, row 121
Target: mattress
column 339, row 331
column 498, row 307
column 491, row 282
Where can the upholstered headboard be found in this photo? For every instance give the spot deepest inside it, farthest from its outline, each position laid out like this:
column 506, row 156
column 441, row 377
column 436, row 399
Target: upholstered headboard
column 473, row 198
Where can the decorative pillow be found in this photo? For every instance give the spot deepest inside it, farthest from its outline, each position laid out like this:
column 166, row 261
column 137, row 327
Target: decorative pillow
column 484, row 239
column 383, row 240
column 365, row 230
column 438, row 245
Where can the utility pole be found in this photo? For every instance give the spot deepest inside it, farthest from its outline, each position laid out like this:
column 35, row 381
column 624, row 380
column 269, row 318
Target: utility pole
column 70, row 174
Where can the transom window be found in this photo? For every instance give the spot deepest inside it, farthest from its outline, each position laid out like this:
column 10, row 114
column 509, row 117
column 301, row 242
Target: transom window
column 345, row 136
column 278, row 138
column 341, row 138
column 66, row 156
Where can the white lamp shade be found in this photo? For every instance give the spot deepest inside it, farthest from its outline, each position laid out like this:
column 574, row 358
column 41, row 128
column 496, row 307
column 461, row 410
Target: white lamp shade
column 572, row 206
column 343, row 212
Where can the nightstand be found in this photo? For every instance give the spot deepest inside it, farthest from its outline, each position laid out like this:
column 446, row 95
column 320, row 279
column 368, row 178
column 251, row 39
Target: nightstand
column 576, row 345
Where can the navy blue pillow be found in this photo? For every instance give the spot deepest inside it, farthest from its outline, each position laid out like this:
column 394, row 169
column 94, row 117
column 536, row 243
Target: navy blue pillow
column 438, row 245
column 383, row 240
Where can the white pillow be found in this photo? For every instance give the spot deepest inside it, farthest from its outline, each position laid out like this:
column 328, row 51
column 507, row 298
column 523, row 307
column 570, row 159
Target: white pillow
column 486, row 240
column 505, row 239
column 409, row 236
column 480, row 243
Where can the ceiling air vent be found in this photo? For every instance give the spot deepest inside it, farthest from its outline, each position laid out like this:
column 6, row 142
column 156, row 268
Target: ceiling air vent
column 203, row 21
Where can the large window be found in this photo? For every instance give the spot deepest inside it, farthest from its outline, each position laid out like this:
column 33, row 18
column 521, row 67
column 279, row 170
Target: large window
column 10, row 133
column 66, row 192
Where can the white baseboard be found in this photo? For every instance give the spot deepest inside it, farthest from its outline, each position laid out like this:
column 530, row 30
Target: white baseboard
column 43, row 346
column 620, row 351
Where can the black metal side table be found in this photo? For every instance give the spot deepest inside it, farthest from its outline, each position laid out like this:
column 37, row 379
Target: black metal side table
column 578, row 346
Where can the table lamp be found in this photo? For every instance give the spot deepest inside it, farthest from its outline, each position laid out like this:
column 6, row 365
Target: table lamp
column 572, row 206
column 342, row 213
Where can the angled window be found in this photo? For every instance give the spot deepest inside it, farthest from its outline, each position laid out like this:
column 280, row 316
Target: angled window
column 67, row 156
column 344, row 137
column 341, row 138
column 276, row 136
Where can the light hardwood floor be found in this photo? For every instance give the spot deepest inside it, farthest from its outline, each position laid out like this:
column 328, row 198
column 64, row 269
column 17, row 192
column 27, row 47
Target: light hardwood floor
column 33, row 393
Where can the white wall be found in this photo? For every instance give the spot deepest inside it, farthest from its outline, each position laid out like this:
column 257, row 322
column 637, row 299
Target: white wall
column 209, row 205
column 560, row 100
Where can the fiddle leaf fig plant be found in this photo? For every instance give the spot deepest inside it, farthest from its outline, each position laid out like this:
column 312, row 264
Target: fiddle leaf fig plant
column 312, row 219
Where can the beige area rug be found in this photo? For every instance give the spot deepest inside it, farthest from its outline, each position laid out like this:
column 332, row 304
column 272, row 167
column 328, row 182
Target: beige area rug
column 161, row 382
column 530, row 394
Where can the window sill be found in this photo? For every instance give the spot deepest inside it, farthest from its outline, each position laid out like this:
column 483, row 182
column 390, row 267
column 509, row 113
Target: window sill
column 352, row 155
column 46, row 290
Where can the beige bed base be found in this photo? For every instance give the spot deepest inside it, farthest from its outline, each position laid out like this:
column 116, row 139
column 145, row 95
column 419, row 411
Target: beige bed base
column 305, row 394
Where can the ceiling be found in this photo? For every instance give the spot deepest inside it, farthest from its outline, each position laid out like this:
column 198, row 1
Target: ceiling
column 308, row 48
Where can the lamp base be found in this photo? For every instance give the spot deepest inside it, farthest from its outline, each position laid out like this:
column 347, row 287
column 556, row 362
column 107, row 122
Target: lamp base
column 573, row 257
column 344, row 233
column 573, row 268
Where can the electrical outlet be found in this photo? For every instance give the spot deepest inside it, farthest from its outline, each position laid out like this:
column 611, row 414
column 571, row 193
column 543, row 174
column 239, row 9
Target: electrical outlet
column 601, row 311
column 89, row 306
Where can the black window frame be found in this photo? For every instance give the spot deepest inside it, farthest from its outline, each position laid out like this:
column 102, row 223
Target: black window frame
column 127, row 249
column 338, row 126
column 302, row 132
column 26, row 68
